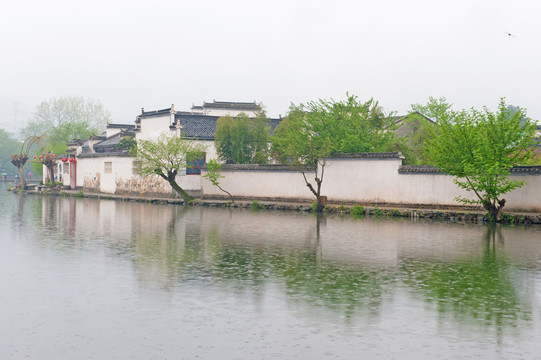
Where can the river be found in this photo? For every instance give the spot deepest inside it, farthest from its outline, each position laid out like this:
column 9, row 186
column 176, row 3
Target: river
column 103, row 279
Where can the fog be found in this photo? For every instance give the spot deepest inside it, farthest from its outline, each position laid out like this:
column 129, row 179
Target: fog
column 138, row 54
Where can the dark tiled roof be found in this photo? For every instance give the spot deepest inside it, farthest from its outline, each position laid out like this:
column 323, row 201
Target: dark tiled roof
column 98, row 137
column 265, row 167
column 104, row 154
column 111, row 141
column 120, row 126
column 155, row 113
column 273, row 123
column 533, row 170
column 429, row 169
column 203, row 127
column 76, row 142
column 197, row 126
column 253, row 106
column 418, row 169
column 387, row 155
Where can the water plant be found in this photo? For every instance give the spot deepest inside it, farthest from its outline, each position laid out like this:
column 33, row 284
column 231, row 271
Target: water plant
column 357, row 210
column 255, row 205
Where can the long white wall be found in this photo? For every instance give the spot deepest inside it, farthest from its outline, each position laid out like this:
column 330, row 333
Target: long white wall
column 92, row 176
column 348, row 180
column 363, row 181
column 269, row 182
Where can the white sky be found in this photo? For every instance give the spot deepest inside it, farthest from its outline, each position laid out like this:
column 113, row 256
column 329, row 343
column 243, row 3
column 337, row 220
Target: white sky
column 133, row 54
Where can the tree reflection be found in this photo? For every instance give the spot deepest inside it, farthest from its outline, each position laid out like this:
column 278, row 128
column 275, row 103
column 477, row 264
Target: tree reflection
column 305, row 278
column 479, row 290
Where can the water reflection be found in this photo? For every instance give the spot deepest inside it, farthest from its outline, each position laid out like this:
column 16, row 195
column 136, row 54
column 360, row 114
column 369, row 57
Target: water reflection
column 481, row 290
column 470, row 277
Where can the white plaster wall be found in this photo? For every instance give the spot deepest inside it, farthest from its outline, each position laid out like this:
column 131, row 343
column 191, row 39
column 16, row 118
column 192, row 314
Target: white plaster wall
column 366, row 181
column 428, row 189
column 93, row 169
column 373, row 180
column 111, row 131
column 91, row 175
column 280, row 184
column 189, row 182
column 527, row 197
column 152, row 127
column 210, row 151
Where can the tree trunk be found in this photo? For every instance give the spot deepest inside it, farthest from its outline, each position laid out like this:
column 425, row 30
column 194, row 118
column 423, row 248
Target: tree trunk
column 19, row 160
column 495, row 211
column 187, row 198
column 50, row 174
column 170, row 178
column 227, row 192
column 321, row 203
column 22, row 180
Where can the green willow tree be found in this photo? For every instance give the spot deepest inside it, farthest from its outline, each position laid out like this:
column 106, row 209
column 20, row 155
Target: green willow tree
column 166, row 156
column 214, row 169
column 242, row 140
column 67, row 118
column 414, row 132
column 8, row 145
column 479, row 148
column 313, row 132
column 435, row 108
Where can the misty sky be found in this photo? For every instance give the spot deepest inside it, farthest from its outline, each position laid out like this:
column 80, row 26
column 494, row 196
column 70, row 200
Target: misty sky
column 133, row 54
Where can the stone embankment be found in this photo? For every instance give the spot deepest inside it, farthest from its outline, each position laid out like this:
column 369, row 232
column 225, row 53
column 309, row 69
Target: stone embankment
column 378, row 210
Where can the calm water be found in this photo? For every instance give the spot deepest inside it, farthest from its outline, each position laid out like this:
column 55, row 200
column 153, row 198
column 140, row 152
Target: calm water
column 88, row 279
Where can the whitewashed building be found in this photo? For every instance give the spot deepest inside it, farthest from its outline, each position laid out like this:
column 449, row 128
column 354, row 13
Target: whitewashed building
column 98, row 164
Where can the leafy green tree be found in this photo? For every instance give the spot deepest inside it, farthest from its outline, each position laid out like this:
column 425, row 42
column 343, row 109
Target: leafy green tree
column 65, row 119
column 232, row 139
column 128, row 144
column 436, row 109
column 8, row 146
column 260, row 139
column 413, row 133
column 19, row 159
column 242, row 140
column 214, row 175
column 479, row 148
column 312, row 132
column 166, row 156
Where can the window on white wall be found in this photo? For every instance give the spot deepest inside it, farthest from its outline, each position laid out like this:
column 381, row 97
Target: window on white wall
column 108, row 167
column 193, row 167
column 66, row 169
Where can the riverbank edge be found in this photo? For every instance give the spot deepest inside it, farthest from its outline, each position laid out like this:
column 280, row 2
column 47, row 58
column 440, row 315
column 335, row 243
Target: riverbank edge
column 378, row 210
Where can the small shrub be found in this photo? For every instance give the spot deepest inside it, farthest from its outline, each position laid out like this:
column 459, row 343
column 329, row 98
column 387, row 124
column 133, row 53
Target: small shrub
column 79, row 193
column 255, row 205
column 314, row 206
column 395, row 212
column 341, row 208
column 377, row 211
column 357, row 210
